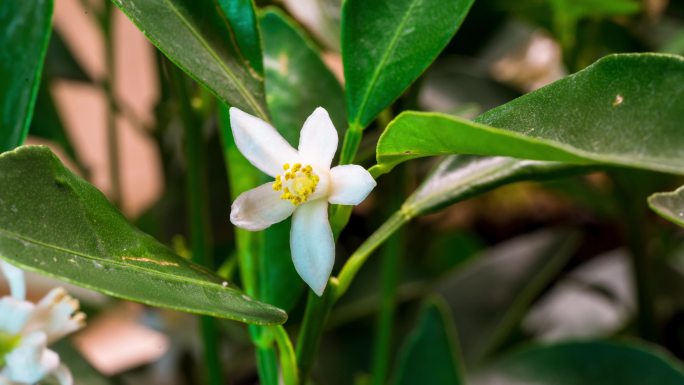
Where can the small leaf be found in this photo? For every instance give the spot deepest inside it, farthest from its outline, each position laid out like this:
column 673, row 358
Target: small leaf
column 586, row 363
column 82, row 239
column 387, row 44
column 24, row 34
column 485, row 313
column 601, row 115
column 430, row 354
column 669, row 205
column 195, row 37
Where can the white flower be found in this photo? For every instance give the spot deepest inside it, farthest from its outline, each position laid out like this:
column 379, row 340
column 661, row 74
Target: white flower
column 26, row 329
column 304, row 185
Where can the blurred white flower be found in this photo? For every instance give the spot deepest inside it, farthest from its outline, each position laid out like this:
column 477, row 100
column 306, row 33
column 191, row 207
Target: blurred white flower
column 304, row 185
column 26, row 329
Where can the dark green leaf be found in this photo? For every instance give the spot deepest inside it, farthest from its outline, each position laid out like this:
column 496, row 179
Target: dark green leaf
column 586, row 363
column 82, row 239
column 61, row 63
column 242, row 18
column 486, row 313
column 297, row 80
column 669, row 205
column 430, row 354
column 387, row 44
column 459, row 177
column 623, row 110
column 195, row 37
column 24, row 34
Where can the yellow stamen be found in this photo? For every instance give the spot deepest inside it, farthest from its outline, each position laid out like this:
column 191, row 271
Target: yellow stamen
column 297, row 183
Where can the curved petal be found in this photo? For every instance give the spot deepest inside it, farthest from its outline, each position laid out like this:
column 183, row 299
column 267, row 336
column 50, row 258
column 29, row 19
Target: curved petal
column 260, row 143
column 14, row 315
column 57, row 315
column 350, row 184
column 63, row 375
column 31, row 361
column 318, row 139
column 15, row 279
column 259, row 208
column 313, row 248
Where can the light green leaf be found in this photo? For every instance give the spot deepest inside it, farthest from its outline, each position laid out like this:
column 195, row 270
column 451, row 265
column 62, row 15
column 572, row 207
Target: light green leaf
column 430, row 354
column 297, row 80
column 24, row 34
column 195, row 37
column 82, row 239
column 242, row 18
column 623, row 110
column 586, row 363
column 387, row 44
column 669, row 205
column 485, row 313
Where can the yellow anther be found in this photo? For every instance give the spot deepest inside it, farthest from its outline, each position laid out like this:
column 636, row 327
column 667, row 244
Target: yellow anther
column 297, row 183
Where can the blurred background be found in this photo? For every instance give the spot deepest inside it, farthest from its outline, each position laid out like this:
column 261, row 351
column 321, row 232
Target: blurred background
column 555, row 251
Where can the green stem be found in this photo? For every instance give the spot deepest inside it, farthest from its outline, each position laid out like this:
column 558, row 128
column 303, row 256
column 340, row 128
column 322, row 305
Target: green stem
column 315, row 315
column 112, row 135
column 350, row 145
column 267, row 365
column 200, row 228
column 288, row 358
column 391, row 259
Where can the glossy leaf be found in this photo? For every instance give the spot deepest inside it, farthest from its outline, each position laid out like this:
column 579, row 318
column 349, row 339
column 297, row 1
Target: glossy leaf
column 387, row 44
column 586, row 363
column 485, row 313
column 623, row 110
column 669, row 205
column 459, row 177
column 242, row 18
column 297, row 80
column 83, row 240
column 430, row 354
column 195, row 37
column 24, row 34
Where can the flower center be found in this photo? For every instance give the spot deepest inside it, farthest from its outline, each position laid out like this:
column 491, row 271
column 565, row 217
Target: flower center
column 297, row 183
column 7, row 344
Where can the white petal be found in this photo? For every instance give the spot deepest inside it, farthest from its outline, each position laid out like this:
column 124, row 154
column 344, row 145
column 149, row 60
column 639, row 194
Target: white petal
column 260, row 143
column 318, row 139
column 259, row 208
column 31, row 361
column 63, row 375
column 350, row 184
column 14, row 315
column 56, row 315
column 15, row 278
column 313, row 248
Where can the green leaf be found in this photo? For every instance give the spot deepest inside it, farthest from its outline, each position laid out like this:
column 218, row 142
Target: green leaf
column 459, row 177
column 297, row 80
column 242, row 18
column 55, row 223
column 196, row 38
column 586, row 363
column 485, row 314
column 24, row 34
column 430, row 354
column 669, row 205
column 623, row 110
column 387, row 44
